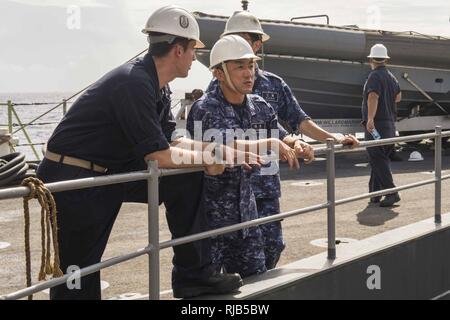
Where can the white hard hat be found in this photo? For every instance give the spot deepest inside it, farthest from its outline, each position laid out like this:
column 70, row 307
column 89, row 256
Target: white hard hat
column 174, row 21
column 231, row 47
column 378, row 51
column 244, row 21
column 415, row 156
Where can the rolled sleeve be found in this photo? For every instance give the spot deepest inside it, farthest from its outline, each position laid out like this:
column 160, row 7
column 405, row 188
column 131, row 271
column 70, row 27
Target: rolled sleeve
column 373, row 84
column 290, row 110
column 282, row 133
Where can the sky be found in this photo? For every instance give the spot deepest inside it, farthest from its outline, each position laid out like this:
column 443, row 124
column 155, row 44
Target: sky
column 64, row 45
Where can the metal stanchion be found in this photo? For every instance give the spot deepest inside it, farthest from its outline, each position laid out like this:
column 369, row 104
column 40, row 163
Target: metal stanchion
column 153, row 230
column 437, row 174
column 10, row 124
column 331, row 198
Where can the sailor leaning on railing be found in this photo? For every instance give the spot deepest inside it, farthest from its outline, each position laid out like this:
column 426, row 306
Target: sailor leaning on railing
column 221, row 114
column 275, row 91
column 118, row 123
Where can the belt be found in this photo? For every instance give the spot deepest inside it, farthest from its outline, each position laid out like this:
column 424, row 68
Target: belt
column 74, row 162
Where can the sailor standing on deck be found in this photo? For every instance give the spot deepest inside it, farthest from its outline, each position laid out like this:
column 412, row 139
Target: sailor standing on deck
column 381, row 93
column 228, row 110
column 276, row 92
column 119, row 123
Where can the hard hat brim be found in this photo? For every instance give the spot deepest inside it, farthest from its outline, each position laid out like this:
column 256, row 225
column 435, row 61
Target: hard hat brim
column 247, row 56
column 378, row 57
column 264, row 35
column 199, row 44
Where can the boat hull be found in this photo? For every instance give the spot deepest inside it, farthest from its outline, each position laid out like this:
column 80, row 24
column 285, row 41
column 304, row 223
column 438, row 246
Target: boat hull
column 333, row 89
column 326, row 66
column 340, row 43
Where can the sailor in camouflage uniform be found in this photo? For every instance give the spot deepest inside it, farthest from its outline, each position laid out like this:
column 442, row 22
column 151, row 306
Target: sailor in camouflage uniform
column 229, row 197
column 276, row 92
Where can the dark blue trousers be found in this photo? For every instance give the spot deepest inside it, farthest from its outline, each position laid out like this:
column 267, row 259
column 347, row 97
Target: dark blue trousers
column 380, row 162
column 86, row 217
column 272, row 232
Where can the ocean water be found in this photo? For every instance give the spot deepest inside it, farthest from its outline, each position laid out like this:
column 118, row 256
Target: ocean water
column 41, row 131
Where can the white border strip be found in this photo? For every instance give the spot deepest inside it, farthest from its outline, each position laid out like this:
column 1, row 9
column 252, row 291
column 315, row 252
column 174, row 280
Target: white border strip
column 441, row 295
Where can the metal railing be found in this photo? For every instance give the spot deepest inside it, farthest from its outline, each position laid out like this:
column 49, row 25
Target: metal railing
column 153, row 173
column 12, row 113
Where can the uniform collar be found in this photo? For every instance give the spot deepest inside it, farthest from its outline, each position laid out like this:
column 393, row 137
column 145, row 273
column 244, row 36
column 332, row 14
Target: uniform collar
column 150, row 68
column 259, row 72
column 228, row 106
column 380, row 68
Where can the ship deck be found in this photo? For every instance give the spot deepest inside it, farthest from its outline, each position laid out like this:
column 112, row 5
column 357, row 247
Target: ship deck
column 356, row 220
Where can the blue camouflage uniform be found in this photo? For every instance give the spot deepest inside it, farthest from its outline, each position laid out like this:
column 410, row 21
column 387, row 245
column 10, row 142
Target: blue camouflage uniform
column 229, row 196
column 267, row 187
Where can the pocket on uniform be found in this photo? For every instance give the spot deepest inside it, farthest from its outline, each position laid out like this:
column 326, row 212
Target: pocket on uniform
column 50, row 171
column 66, row 172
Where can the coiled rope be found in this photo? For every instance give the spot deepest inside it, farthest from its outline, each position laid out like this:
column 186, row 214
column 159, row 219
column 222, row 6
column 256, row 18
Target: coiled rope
column 48, row 225
column 14, row 169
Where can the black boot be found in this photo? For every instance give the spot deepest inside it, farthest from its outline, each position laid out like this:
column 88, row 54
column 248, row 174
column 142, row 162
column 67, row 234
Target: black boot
column 218, row 283
column 390, row 199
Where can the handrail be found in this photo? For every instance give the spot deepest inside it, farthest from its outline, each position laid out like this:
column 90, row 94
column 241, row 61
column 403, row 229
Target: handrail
column 22, row 127
column 83, row 272
column 37, row 103
column 18, row 192
column 154, row 246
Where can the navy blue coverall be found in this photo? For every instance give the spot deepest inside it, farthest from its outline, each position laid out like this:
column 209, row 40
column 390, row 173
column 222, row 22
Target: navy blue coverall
column 385, row 85
column 115, row 123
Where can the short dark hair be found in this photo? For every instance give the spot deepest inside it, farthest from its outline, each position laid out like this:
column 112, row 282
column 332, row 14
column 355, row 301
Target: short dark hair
column 161, row 49
column 379, row 60
column 254, row 36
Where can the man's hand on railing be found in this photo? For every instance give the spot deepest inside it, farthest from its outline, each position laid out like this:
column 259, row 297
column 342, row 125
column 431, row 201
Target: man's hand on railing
column 238, row 157
column 349, row 140
column 304, row 150
column 214, row 169
column 250, row 159
column 287, row 154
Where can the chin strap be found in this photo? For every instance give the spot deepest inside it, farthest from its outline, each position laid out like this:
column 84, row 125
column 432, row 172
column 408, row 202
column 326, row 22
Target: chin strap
column 227, row 77
column 262, row 56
